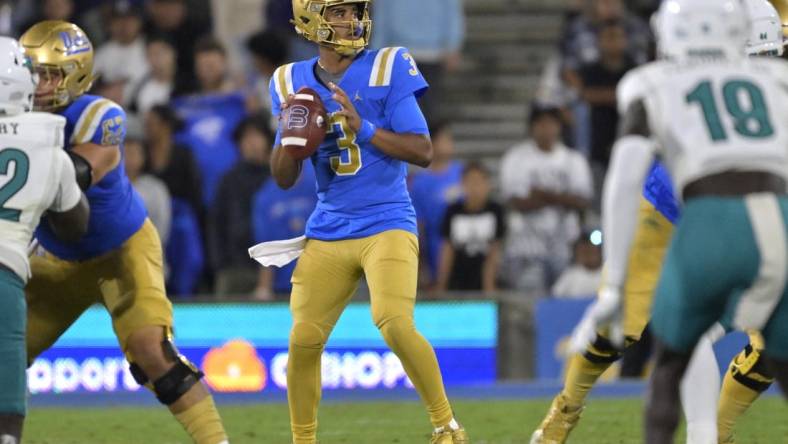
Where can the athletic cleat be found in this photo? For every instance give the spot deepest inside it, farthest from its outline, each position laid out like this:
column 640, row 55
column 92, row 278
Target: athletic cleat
column 560, row 420
column 728, row 440
column 449, row 436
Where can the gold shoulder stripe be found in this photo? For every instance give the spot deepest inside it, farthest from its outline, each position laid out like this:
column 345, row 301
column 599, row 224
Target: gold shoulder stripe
column 86, row 121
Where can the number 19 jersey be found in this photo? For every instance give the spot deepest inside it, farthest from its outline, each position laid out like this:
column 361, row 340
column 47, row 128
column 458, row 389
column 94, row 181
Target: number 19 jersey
column 361, row 191
column 714, row 116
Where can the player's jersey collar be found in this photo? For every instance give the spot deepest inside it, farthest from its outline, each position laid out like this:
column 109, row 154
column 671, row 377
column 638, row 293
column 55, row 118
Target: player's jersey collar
column 348, row 76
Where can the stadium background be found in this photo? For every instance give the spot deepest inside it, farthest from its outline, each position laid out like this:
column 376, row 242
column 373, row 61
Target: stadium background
column 204, row 176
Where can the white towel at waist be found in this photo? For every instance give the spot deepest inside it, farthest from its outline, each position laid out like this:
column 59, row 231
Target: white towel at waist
column 278, row 253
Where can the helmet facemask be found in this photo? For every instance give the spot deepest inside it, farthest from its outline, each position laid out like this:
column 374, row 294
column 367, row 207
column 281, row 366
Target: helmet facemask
column 313, row 23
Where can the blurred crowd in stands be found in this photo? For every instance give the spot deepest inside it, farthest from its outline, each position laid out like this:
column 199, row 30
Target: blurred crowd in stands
column 193, row 76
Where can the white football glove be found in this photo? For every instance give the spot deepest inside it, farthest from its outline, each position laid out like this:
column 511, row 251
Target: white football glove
column 605, row 311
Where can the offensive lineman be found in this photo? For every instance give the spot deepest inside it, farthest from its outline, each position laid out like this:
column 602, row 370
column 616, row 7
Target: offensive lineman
column 119, row 261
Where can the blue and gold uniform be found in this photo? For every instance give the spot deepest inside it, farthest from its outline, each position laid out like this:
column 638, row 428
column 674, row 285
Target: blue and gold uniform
column 117, row 211
column 361, row 191
column 117, row 263
column 659, row 210
column 364, row 224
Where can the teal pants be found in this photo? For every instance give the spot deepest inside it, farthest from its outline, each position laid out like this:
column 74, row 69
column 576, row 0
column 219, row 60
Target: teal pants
column 726, row 262
column 13, row 354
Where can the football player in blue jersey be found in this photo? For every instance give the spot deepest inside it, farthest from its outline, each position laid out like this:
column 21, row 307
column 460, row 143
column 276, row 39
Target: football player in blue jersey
column 364, row 222
column 118, row 263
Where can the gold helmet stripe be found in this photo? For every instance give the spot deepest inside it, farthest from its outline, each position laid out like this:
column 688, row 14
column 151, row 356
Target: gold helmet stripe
column 90, row 120
column 284, row 82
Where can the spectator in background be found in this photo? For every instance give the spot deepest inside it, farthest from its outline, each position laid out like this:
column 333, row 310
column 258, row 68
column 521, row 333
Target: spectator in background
column 280, row 214
column 433, row 31
column 156, row 86
column 596, row 83
column 173, row 163
column 579, row 44
column 233, row 22
column 230, row 225
column 122, row 58
column 583, row 277
column 472, row 231
column 112, row 90
column 211, row 115
column 431, row 191
column 546, row 186
column 278, row 14
column 170, row 19
column 269, row 51
column 152, row 189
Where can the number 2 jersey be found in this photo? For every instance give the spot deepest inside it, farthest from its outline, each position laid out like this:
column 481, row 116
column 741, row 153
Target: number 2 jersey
column 714, row 116
column 35, row 175
column 361, row 191
column 116, row 210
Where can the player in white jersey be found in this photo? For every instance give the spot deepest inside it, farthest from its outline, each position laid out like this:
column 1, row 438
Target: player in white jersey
column 36, row 177
column 703, row 109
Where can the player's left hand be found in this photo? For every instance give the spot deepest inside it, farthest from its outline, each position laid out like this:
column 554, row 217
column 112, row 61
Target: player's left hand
column 348, row 110
column 605, row 311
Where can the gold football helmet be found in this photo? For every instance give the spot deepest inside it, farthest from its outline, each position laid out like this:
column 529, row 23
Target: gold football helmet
column 311, row 22
column 782, row 9
column 60, row 51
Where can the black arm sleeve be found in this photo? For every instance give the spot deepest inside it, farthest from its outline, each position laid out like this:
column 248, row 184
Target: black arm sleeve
column 83, row 169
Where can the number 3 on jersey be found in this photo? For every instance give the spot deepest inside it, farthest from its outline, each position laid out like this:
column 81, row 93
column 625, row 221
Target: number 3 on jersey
column 751, row 119
column 347, row 145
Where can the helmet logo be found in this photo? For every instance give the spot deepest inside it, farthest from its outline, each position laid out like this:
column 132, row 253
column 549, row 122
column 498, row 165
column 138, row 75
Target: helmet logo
column 324, row 34
column 75, row 43
column 299, row 117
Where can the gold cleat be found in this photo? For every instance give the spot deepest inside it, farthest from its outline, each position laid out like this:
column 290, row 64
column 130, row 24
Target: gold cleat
column 728, row 440
column 560, row 420
column 449, row 436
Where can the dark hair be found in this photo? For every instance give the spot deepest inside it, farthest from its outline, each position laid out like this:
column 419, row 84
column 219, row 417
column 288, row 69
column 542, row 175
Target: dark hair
column 611, row 23
column 258, row 122
column 268, row 45
column 539, row 110
column 158, row 37
column 169, row 116
column 437, row 126
column 209, row 44
column 475, row 166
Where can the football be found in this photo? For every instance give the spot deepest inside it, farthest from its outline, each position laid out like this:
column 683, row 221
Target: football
column 303, row 124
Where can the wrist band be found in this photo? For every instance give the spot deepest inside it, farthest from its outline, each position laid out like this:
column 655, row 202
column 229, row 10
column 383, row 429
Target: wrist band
column 366, row 132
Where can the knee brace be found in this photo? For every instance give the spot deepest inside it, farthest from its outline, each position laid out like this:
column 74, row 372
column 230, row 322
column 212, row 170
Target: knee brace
column 602, row 351
column 307, row 335
column 176, row 382
column 749, row 369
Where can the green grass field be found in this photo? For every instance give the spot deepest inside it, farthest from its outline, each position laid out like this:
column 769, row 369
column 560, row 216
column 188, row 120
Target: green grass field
column 500, row 422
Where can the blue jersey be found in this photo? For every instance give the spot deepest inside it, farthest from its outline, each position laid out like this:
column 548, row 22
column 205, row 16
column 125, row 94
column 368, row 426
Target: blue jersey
column 209, row 122
column 361, row 191
column 116, row 210
column 658, row 190
column 432, row 192
column 279, row 214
